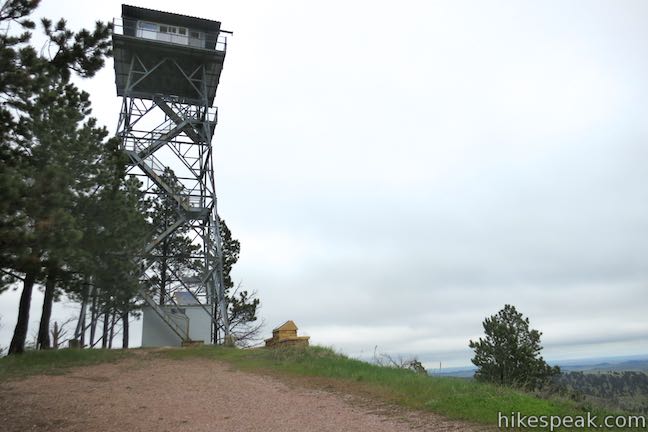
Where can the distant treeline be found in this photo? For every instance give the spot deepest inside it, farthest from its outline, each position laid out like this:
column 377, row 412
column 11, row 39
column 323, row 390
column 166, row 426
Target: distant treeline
column 627, row 391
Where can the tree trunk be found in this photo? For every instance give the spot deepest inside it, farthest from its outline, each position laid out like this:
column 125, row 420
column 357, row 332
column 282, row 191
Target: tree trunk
column 163, row 271
column 106, row 324
column 79, row 332
column 214, row 325
column 112, row 330
column 124, row 318
column 43, row 341
column 20, row 332
column 94, row 317
column 56, row 335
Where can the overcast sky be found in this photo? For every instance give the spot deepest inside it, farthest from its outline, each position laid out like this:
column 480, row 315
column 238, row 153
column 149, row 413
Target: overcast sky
column 397, row 171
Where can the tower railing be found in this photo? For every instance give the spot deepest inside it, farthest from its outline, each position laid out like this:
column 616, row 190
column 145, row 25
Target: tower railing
column 204, row 41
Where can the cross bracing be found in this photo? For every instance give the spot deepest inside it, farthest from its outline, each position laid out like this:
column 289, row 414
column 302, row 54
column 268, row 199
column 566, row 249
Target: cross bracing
column 167, row 122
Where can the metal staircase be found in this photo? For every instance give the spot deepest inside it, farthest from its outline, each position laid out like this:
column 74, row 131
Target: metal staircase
column 141, row 154
column 180, row 115
column 154, row 169
column 168, row 318
column 164, row 136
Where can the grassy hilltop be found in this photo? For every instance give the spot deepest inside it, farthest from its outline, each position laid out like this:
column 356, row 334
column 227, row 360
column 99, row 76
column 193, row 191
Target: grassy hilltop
column 454, row 398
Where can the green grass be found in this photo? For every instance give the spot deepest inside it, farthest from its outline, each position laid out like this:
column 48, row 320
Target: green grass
column 454, row 398
column 54, row 361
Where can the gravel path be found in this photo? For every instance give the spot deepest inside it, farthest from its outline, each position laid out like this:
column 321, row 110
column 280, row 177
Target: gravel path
column 191, row 395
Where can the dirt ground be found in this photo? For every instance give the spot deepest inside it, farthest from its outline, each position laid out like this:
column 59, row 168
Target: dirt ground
column 192, row 395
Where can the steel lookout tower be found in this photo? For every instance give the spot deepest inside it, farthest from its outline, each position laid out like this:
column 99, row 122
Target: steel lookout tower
column 167, row 69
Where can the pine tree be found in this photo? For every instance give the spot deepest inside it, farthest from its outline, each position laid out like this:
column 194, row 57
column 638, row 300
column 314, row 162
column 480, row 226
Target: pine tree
column 129, row 230
column 115, row 228
column 510, row 353
column 173, row 261
column 60, row 167
column 36, row 222
column 173, row 255
column 68, row 151
column 26, row 70
column 242, row 305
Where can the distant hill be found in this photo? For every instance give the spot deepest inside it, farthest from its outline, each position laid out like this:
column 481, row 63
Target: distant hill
column 625, row 390
column 623, row 366
column 462, row 372
column 587, row 365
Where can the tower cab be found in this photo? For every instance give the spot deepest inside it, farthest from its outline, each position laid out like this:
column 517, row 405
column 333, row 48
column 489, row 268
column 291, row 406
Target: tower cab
column 161, row 53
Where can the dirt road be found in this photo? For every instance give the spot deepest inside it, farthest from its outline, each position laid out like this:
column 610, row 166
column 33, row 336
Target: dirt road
column 192, row 395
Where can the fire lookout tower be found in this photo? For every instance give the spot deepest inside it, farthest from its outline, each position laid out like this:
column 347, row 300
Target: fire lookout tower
column 167, row 69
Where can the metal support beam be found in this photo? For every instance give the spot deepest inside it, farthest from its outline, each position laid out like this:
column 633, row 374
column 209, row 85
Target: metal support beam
column 158, row 132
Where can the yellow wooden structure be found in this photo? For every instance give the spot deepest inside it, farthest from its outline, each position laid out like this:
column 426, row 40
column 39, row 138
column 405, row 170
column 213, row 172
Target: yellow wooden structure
column 286, row 335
